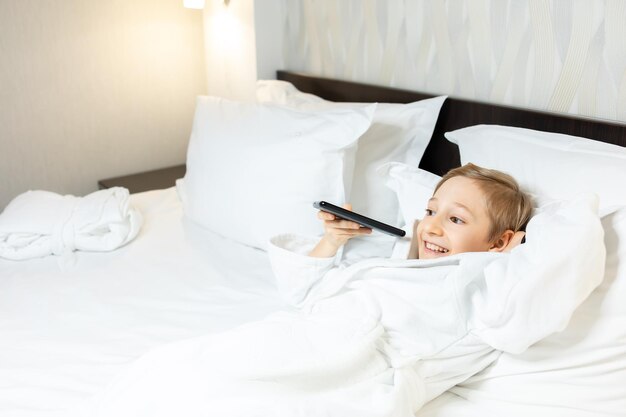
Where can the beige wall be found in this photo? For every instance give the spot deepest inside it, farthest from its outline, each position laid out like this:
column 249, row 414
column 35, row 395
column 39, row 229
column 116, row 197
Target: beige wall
column 92, row 89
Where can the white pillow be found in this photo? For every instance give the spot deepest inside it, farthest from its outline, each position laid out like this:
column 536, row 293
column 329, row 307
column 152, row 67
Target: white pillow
column 399, row 133
column 555, row 165
column 284, row 93
column 413, row 187
column 253, row 170
column 579, row 372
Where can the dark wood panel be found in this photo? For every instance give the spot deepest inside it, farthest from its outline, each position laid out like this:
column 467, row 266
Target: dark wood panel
column 337, row 90
column 442, row 155
column 146, row 181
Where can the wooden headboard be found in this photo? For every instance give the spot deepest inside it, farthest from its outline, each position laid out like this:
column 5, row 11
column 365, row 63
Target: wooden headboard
column 442, row 155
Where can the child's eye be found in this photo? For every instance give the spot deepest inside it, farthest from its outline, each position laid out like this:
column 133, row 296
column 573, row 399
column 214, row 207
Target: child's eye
column 429, row 212
column 456, row 220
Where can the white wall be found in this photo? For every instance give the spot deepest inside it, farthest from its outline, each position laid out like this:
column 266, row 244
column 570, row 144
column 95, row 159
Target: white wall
column 94, row 89
column 269, row 16
column 565, row 56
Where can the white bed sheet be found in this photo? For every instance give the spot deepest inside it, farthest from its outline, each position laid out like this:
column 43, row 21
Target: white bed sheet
column 67, row 329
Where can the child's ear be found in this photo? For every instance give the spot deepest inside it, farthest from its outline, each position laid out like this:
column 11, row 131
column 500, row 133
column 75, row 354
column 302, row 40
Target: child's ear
column 515, row 241
column 505, row 241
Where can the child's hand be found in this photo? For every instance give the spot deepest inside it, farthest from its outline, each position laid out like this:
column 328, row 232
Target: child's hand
column 337, row 232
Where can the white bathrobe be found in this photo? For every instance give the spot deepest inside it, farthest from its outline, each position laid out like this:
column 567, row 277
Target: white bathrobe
column 42, row 223
column 379, row 337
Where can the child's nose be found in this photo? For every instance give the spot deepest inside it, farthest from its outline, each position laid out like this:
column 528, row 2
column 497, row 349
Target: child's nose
column 432, row 225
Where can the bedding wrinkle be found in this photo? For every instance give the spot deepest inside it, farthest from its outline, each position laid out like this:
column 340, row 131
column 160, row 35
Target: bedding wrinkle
column 63, row 231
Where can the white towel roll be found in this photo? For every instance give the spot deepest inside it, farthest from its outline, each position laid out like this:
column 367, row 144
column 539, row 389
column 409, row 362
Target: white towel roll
column 42, row 223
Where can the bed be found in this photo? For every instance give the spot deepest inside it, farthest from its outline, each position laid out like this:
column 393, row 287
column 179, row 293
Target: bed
column 69, row 326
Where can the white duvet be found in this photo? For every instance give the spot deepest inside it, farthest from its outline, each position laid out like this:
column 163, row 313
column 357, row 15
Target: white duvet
column 377, row 338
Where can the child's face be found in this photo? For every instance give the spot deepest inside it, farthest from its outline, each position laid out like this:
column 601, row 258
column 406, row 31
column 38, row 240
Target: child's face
column 456, row 221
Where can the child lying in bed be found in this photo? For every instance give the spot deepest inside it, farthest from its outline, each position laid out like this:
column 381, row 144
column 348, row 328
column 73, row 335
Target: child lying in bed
column 473, row 209
column 381, row 337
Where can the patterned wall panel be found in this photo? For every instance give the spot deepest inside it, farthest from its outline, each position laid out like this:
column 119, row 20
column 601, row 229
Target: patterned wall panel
column 564, row 56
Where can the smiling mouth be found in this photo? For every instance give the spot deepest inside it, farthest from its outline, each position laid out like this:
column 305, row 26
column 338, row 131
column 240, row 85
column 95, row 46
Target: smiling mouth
column 435, row 248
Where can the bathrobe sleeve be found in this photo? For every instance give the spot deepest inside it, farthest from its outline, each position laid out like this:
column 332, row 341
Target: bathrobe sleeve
column 297, row 273
column 533, row 292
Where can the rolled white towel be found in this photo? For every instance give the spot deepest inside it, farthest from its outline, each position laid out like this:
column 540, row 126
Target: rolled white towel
column 41, row 223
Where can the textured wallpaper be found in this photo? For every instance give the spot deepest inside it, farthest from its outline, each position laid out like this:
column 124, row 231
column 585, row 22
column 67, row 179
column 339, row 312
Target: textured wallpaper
column 565, row 56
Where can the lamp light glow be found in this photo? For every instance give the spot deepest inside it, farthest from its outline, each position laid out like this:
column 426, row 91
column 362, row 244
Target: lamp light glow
column 194, row 4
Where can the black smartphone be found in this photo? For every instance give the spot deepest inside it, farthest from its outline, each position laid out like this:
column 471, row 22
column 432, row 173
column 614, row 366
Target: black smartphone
column 358, row 218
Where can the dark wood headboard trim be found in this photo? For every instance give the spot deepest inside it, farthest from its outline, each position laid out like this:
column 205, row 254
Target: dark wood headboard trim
column 442, row 155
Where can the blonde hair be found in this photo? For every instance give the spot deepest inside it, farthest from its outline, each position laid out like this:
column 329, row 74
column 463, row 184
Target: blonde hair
column 508, row 207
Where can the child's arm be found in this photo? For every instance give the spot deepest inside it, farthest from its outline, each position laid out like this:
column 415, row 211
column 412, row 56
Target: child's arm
column 336, row 233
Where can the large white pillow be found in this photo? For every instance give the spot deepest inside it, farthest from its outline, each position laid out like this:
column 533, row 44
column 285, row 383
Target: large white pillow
column 549, row 164
column 398, row 133
column 253, row 170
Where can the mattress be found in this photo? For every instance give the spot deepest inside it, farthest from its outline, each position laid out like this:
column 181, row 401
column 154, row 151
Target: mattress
column 70, row 324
